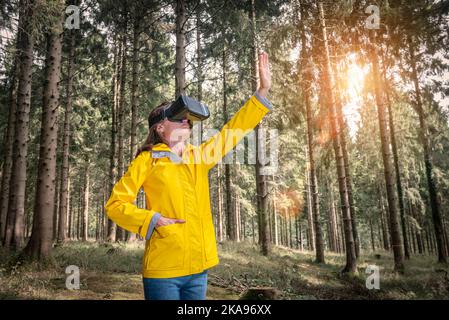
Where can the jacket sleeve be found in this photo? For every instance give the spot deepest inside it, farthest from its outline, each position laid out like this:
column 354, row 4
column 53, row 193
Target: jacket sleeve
column 242, row 123
column 120, row 207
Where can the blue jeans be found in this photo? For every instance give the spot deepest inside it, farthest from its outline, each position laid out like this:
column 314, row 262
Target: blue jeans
column 191, row 287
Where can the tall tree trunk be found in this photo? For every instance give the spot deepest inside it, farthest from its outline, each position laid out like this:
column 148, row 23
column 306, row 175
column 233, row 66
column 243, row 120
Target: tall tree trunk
column 103, row 220
column 261, row 183
column 220, row 206
column 348, row 180
column 270, row 222
column 290, row 232
column 230, row 213
column 332, row 219
column 57, row 179
column 253, row 229
column 80, row 206
column 417, row 231
column 134, row 95
column 64, row 193
column 396, row 161
column 412, row 238
column 8, row 143
column 112, row 227
column 69, row 209
column 40, row 243
column 180, row 64
column 16, row 203
column 243, row 220
column 86, row 194
column 120, row 233
column 313, row 187
column 238, row 222
column 341, row 232
column 297, row 231
column 395, row 230
column 199, row 65
column 371, row 230
column 351, row 259
column 424, row 139
column 276, row 222
column 310, row 231
column 385, row 233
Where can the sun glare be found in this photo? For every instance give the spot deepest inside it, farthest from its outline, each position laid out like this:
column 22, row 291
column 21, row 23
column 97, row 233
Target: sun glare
column 353, row 79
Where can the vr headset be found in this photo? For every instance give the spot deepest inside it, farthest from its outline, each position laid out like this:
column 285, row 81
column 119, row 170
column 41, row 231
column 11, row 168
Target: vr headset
column 183, row 108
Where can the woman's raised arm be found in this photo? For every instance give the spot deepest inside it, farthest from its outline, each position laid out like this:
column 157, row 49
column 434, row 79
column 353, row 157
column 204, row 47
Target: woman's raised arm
column 243, row 122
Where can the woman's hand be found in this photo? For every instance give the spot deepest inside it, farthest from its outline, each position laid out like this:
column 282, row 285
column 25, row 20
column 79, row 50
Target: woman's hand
column 162, row 221
column 264, row 75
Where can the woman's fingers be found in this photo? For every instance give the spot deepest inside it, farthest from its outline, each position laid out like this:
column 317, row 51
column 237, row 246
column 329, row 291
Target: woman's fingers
column 262, row 60
column 166, row 221
column 264, row 74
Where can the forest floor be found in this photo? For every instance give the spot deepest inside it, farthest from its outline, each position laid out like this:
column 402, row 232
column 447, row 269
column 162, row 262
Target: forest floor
column 113, row 272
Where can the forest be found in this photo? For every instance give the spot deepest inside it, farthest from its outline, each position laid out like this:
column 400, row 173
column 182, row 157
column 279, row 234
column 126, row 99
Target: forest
column 351, row 172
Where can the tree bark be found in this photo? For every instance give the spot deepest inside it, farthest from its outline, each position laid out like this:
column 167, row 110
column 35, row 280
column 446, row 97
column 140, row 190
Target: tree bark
column 424, row 139
column 385, row 232
column 16, row 205
column 220, row 206
column 305, row 88
column 70, row 209
column 348, row 179
column 8, row 142
column 230, row 213
column 40, row 244
column 396, row 162
column 351, row 259
column 121, row 106
column 180, row 64
column 276, row 221
column 64, row 190
column 261, row 183
column 85, row 218
column 373, row 244
column 131, row 237
column 238, row 222
column 311, row 230
column 417, row 231
column 333, row 226
column 112, row 227
column 396, row 239
column 57, row 179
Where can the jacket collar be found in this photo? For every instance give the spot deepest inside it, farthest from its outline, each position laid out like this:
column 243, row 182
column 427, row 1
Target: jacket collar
column 161, row 150
column 163, row 147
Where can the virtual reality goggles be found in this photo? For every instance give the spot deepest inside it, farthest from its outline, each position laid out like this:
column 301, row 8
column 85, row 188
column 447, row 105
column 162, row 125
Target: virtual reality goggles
column 183, row 108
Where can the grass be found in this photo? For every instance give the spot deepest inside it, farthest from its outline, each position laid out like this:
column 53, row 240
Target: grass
column 113, row 272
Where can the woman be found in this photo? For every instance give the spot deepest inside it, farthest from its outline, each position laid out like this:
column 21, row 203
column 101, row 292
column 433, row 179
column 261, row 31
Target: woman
column 177, row 225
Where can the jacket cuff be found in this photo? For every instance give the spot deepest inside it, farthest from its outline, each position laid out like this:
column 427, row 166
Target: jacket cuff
column 153, row 222
column 263, row 100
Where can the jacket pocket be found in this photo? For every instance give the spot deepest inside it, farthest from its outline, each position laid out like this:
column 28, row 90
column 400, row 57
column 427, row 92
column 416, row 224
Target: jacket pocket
column 167, row 248
column 210, row 243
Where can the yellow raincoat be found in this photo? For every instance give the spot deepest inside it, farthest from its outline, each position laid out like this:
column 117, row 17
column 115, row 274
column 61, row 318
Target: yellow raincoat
column 179, row 190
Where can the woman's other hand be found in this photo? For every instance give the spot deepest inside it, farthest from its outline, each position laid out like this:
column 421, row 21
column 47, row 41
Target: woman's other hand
column 264, row 74
column 162, row 221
